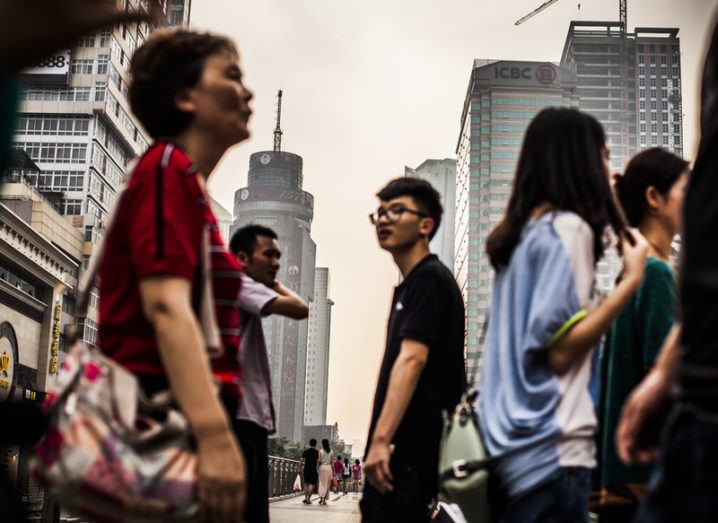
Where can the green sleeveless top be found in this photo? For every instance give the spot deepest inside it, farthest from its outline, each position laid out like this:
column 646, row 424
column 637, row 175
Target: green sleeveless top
column 631, row 347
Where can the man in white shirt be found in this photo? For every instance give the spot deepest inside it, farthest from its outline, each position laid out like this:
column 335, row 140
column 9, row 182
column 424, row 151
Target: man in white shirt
column 256, row 247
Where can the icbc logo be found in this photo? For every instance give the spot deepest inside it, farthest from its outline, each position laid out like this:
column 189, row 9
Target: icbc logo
column 546, row 74
column 513, row 73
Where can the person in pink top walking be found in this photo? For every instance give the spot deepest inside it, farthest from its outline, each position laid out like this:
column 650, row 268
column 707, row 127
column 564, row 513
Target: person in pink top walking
column 338, row 466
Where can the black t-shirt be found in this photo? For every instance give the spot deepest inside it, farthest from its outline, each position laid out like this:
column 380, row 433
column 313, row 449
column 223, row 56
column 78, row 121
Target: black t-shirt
column 699, row 252
column 311, row 457
column 428, row 308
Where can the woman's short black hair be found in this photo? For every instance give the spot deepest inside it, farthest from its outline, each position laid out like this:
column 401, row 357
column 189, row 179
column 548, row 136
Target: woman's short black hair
column 561, row 166
column 654, row 167
column 170, row 61
column 427, row 199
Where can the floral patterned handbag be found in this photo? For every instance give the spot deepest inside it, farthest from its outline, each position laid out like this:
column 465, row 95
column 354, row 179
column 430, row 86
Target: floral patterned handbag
column 111, row 454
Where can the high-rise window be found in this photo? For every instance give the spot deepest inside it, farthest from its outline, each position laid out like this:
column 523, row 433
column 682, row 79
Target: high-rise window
column 100, row 89
column 81, row 66
column 88, row 41
column 103, row 61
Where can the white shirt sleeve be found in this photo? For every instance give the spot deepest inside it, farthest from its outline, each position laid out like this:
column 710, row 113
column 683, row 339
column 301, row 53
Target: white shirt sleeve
column 254, row 295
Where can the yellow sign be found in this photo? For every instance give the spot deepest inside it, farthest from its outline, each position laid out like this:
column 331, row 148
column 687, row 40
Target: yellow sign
column 4, row 364
column 55, row 349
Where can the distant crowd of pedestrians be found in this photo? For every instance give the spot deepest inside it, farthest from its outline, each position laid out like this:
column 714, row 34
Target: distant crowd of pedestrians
column 576, row 385
column 324, row 472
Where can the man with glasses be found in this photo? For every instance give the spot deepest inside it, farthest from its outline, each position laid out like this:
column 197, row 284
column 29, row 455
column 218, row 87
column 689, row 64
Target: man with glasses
column 422, row 372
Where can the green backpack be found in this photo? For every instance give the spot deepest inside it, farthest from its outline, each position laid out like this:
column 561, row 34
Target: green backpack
column 464, row 462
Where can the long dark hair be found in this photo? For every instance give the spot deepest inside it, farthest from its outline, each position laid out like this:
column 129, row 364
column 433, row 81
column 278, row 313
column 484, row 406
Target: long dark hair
column 560, row 166
column 325, row 445
column 654, row 167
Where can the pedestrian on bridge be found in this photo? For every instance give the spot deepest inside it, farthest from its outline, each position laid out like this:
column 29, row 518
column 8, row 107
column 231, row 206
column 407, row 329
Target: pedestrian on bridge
column 537, row 402
column 257, row 248
column 422, row 372
column 346, row 474
column 684, row 485
column 651, row 194
column 356, row 475
column 326, row 472
column 338, row 466
column 187, row 90
column 310, row 463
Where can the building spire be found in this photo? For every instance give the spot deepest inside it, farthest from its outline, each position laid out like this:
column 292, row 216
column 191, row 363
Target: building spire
column 278, row 129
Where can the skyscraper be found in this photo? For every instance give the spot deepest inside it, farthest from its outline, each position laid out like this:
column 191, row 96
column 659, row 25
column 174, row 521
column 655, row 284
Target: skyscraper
column 651, row 97
column 317, row 379
column 274, row 197
column 501, row 100
column 442, row 175
column 644, row 109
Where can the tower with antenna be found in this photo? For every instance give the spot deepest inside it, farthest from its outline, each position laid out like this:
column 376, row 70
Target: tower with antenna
column 274, row 197
column 278, row 128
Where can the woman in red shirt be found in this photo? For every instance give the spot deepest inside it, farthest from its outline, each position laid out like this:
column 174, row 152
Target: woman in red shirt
column 188, row 93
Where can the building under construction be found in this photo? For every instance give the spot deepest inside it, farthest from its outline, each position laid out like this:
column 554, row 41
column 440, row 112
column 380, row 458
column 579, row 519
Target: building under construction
column 650, row 97
column 631, row 82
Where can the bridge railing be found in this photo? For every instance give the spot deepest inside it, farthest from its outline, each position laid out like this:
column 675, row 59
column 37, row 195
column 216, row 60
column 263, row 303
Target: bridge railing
column 282, row 473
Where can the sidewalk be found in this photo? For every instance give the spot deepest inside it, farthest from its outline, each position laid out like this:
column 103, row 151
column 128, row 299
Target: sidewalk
column 339, row 509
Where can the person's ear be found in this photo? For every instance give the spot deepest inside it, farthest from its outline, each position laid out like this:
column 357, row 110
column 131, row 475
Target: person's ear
column 184, row 101
column 654, row 199
column 426, row 226
column 242, row 257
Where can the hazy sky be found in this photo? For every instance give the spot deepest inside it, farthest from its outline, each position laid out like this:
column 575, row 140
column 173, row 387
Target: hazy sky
column 371, row 86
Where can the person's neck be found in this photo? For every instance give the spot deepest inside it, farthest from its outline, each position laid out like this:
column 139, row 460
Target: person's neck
column 204, row 151
column 658, row 237
column 410, row 257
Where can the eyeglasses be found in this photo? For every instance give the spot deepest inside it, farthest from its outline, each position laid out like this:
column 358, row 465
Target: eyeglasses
column 393, row 214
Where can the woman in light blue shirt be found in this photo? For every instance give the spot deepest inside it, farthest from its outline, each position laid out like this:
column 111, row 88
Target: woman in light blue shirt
column 537, row 408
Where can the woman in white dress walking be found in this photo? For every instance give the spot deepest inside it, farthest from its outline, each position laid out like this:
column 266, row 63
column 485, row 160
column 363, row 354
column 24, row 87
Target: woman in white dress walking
column 326, row 472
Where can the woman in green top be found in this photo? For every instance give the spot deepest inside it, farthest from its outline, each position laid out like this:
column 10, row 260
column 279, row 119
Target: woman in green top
column 651, row 193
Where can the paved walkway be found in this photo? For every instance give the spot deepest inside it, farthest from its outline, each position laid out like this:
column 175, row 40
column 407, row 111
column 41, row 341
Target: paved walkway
column 339, row 509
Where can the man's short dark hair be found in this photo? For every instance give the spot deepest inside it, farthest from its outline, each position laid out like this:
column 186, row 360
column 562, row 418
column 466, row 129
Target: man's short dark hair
column 245, row 238
column 427, row 199
column 312, row 442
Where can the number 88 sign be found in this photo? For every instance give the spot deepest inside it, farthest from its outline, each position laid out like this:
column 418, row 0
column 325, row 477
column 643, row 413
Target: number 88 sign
column 57, row 64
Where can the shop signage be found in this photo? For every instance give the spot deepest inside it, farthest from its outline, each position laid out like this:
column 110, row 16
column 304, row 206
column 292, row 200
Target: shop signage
column 54, row 69
column 55, row 348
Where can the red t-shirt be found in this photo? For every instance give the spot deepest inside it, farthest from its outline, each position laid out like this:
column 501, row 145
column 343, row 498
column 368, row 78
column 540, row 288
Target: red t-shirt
column 158, row 230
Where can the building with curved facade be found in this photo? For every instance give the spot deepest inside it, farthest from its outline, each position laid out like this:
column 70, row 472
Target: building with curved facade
column 274, row 197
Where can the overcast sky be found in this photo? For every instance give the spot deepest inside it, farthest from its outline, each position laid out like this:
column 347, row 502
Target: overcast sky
column 371, row 86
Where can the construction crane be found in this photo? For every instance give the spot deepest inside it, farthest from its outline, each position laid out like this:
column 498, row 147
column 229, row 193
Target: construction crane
column 278, row 128
column 622, row 11
column 535, row 11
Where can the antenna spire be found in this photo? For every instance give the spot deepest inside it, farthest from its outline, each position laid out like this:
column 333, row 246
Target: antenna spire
column 278, row 129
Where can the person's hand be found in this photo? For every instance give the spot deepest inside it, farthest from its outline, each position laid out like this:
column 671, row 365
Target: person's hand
column 376, row 467
column 30, row 30
column 645, row 403
column 221, row 479
column 635, row 252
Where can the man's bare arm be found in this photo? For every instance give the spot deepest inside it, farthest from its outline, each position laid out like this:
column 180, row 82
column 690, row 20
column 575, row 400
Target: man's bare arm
column 402, row 382
column 288, row 304
column 403, row 379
